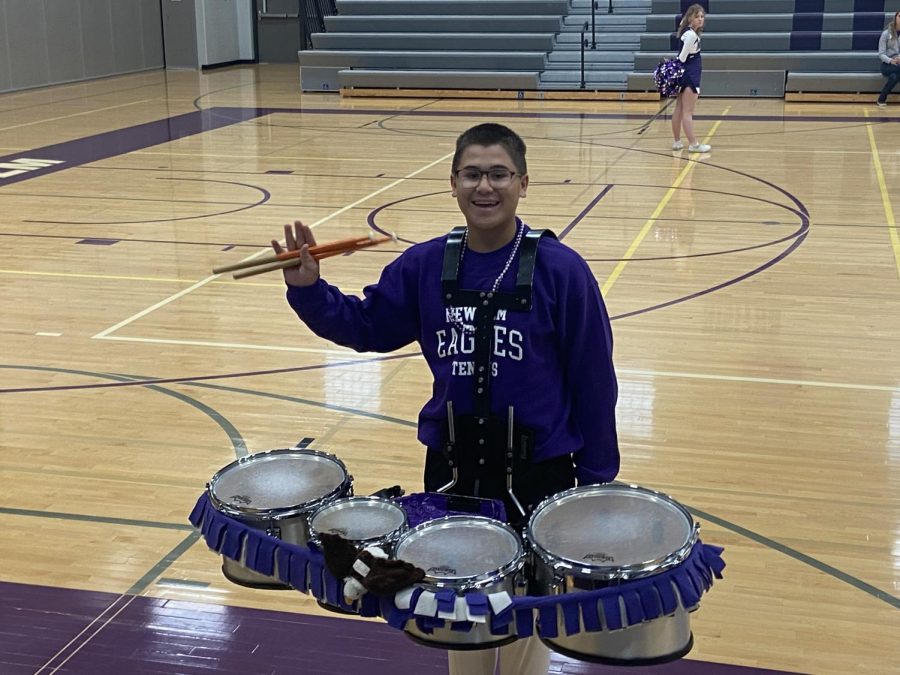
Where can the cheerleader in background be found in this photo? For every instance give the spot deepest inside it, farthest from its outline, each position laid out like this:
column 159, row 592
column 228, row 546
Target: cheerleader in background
column 689, row 31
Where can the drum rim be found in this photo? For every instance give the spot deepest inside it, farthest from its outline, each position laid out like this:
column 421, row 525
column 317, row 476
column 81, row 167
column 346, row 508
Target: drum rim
column 387, row 537
column 477, row 581
column 278, row 512
column 562, row 565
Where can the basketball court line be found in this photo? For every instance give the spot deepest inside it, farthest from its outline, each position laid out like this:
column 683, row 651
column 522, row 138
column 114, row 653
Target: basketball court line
column 885, row 197
column 173, row 555
column 89, row 637
column 78, row 114
column 701, row 376
column 170, row 558
column 254, row 113
column 83, row 630
column 146, row 380
column 660, row 207
column 107, row 334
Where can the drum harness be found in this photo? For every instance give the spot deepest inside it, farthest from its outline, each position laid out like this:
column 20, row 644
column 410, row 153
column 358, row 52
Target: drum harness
column 480, row 425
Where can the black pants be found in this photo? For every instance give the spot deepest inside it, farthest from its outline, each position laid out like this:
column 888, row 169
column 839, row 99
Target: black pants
column 532, row 482
column 892, row 73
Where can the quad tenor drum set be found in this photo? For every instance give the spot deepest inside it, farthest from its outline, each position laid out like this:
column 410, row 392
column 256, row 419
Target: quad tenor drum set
column 607, row 573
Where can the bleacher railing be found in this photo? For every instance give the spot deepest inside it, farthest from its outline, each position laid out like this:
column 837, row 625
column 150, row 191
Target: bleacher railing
column 312, row 18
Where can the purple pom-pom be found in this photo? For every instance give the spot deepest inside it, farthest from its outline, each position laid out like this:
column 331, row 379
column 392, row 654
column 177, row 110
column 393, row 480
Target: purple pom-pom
column 667, row 77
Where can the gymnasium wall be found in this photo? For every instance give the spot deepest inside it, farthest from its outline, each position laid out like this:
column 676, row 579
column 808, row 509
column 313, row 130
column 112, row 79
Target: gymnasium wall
column 46, row 42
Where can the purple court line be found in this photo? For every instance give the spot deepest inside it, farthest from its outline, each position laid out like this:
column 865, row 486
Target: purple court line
column 266, row 195
column 564, row 115
column 370, row 219
column 801, row 230
column 203, row 378
column 122, row 141
column 109, row 144
column 159, row 635
column 756, row 270
column 799, row 235
column 587, row 209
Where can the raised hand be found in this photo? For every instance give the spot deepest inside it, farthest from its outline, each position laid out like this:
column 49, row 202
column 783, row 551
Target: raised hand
column 300, row 236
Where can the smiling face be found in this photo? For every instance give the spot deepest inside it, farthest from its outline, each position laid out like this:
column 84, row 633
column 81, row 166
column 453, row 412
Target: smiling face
column 490, row 211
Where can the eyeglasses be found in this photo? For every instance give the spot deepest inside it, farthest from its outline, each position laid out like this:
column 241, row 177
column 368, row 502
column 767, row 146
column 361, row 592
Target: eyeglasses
column 498, row 177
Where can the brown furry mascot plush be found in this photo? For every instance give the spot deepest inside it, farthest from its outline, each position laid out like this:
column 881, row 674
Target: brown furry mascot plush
column 367, row 569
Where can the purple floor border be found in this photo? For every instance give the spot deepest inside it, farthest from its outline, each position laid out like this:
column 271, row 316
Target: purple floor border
column 31, row 163
column 44, row 629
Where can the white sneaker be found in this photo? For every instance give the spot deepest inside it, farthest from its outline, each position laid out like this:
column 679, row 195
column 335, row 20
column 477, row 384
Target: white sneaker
column 699, row 147
column 881, row 104
column 677, row 145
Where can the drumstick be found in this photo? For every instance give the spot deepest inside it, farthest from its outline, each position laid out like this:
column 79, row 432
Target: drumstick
column 286, row 255
column 293, row 261
column 280, row 265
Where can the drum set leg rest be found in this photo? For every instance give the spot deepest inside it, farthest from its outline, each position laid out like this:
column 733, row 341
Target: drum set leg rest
column 610, row 661
column 461, row 646
column 248, row 578
column 334, row 608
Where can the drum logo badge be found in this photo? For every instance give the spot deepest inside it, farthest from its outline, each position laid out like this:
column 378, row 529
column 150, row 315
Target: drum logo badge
column 599, row 556
column 440, row 571
column 339, row 531
column 241, row 499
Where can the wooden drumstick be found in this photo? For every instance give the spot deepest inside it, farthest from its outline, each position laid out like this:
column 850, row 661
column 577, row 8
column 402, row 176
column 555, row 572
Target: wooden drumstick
column 287, row 255
column 318, row 254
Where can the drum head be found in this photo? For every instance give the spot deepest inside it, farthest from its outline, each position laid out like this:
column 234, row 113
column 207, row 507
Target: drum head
column 279, row 479
column 609, row 527
column 359, row 518
column 460, row 547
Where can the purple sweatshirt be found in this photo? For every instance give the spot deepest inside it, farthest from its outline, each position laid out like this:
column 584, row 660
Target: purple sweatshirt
column 554, row 363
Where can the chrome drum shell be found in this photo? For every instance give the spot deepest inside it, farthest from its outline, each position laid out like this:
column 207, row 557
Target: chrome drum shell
column 597, row 536
column 464, row 553
column 276, row 491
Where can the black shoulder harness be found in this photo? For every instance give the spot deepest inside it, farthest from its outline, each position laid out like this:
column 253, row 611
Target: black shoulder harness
column 518, row 301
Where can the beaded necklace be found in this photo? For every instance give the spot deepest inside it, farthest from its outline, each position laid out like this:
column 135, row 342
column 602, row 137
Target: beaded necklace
column 520, row 230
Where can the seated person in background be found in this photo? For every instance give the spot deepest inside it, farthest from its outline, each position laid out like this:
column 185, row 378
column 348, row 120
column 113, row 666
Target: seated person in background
column 889, row 53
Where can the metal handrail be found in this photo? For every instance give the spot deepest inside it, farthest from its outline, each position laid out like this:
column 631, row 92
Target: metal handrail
column 593, row 26
column 583, row 45
column 312, row 18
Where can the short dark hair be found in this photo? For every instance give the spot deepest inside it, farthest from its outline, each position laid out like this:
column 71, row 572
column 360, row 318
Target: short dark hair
column 493, row 134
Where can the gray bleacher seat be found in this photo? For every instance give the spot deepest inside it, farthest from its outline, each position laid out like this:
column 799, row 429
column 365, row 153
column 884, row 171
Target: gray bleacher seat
column 431, row 79
column 819, row 45
column 751, row 47
column 717, row 7
column 549, row 23
column 445, row 7
column 771, row 41
column 826, row 62
column 419, row 60
column 458, row 42
column 853, row 83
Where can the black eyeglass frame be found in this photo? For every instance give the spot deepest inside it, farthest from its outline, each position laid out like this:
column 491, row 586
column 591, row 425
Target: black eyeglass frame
column 486, row 172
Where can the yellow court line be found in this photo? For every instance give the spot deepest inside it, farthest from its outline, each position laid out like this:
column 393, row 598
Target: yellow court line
column 657, row 212
column 885, row 197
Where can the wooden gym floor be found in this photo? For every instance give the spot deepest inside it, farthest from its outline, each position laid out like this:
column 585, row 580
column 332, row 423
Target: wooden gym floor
column 755, row 296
